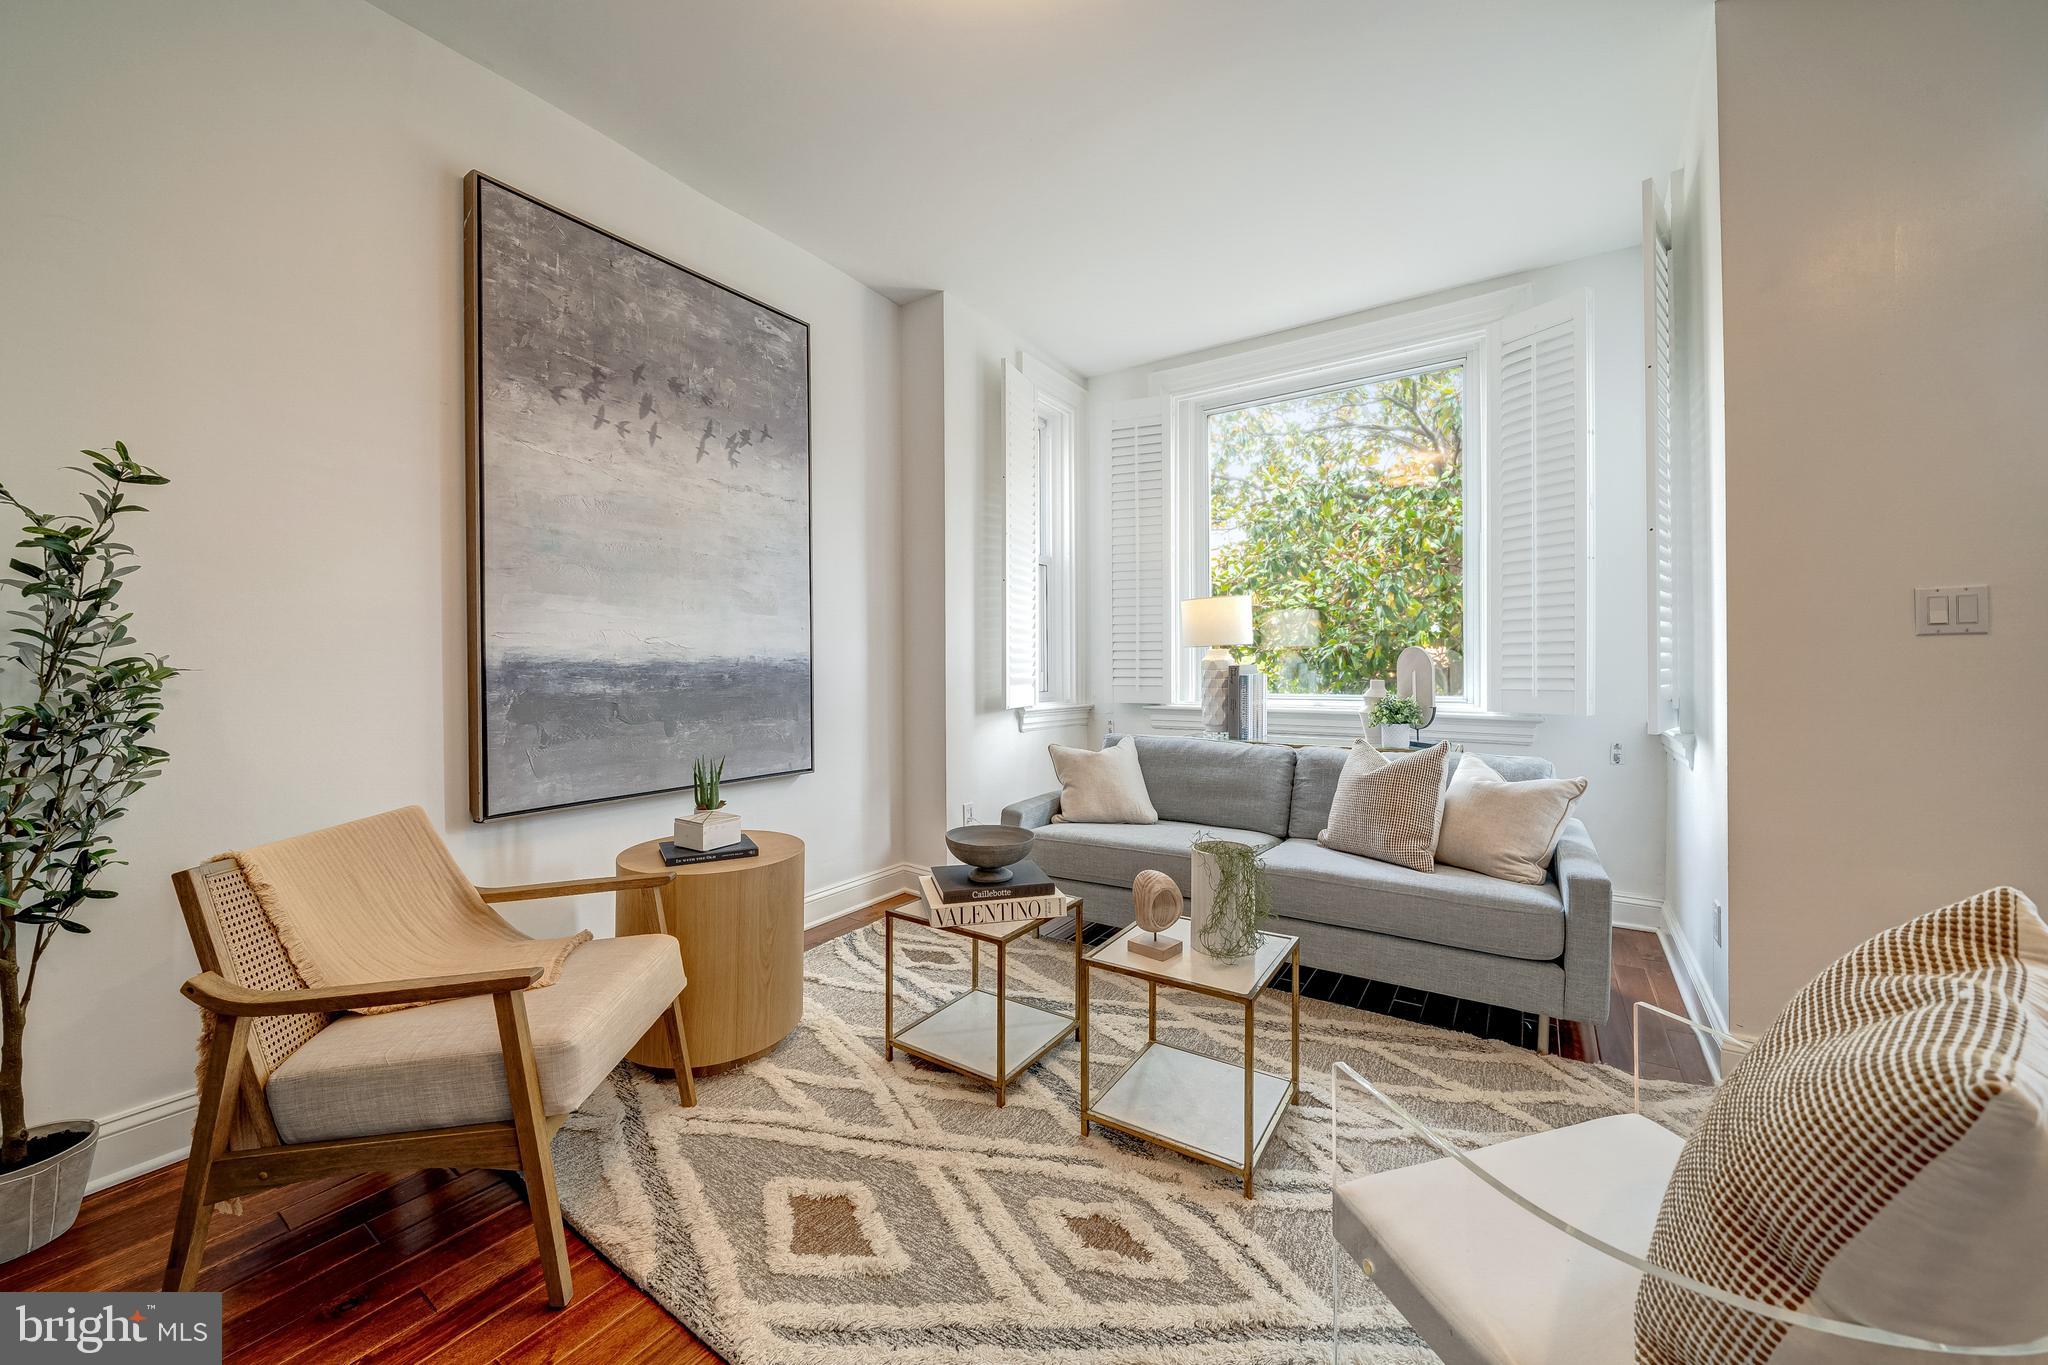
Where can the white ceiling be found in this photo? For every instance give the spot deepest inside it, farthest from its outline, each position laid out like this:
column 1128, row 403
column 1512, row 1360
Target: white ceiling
column 1123, row 180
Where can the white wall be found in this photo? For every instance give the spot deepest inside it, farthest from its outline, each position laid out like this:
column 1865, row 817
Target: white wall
column 1623, row 806
column 1884, row 209
column 1696, row 853
column 988, row 761
column 926, row 808
column 233, row 238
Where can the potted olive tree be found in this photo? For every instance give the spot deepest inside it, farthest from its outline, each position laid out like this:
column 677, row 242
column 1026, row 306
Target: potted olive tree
column 77, row 708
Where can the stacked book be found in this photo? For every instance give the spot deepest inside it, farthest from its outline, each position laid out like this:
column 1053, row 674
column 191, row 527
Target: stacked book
column 954, row 900
column 675, row 855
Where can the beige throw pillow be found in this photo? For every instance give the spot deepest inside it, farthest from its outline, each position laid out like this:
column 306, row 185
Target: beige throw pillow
column 1504, row 829
column 1389, row 809
column 1877, row 1157
column 1102, row 786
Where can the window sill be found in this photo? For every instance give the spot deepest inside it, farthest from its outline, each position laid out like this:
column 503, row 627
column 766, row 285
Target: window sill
column 1054, row 715
column 1679, row 745
column 1316, row 722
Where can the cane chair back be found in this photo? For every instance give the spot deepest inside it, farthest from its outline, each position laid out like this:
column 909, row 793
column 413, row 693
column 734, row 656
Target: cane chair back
column 233, row 936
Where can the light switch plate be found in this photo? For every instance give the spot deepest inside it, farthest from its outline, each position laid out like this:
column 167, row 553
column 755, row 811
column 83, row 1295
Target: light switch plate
column 1964, row 609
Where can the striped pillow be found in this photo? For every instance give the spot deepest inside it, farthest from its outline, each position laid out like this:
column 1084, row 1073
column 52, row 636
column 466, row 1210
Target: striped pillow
column 1880, row 1157
column 1389, row 809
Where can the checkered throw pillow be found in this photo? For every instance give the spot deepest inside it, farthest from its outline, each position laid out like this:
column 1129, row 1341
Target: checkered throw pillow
column 1880, row 1156
column 1389, row 809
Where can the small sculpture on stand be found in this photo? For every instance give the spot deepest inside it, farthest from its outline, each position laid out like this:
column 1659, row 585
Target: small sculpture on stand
column 1155, row 902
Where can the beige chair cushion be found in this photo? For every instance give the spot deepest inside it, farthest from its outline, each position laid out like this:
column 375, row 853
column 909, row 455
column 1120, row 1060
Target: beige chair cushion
column 1501, row 828
column 440, row 1065
column 1102, row 787
column 1486, row 1283
column 1389, row 809
column 1880, row 1156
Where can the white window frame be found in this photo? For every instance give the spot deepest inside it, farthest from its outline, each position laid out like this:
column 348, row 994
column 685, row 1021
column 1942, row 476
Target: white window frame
column 1059, row 407
column 1400, row 343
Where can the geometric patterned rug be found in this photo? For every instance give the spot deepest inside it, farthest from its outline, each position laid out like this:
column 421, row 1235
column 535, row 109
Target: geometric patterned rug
column 821, row 1206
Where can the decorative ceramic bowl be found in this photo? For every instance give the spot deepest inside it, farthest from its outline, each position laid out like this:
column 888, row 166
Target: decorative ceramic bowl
column 989, row 850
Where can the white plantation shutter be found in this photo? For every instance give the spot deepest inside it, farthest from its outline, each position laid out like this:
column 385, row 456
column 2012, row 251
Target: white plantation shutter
column 1540, row 517
column 1020, row 538
column 1660, row 477
column 1137, row 446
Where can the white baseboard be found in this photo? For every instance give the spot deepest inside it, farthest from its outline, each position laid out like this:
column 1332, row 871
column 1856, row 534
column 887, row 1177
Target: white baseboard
column 1638, row 912
column 143, row 1139
column 856, row 893
column 1692, row 982
column 152, row 1136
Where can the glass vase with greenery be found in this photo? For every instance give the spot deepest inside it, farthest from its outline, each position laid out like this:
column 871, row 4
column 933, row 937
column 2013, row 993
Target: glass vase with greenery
column 80, row 708
column 1241, row 900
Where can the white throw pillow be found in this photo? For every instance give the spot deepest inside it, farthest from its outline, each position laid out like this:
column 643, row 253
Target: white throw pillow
column 1389, row 809
column 1102, row 786
column 1504, row 829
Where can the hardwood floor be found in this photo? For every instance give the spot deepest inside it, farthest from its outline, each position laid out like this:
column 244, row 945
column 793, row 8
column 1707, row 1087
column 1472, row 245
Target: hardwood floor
column 439, row 1265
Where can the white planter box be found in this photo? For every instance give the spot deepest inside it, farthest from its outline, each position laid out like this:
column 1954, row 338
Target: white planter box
column 1396, row 736
column 707, row 829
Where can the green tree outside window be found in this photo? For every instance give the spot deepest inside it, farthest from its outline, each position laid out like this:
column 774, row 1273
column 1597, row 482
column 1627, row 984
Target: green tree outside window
column 1342, row 514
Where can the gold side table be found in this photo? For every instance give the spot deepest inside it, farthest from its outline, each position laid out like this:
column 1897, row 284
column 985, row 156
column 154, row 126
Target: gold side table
column 1212, row 1111
column 980, row 1034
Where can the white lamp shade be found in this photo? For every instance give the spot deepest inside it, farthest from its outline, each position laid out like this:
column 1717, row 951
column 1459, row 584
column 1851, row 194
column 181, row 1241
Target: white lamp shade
column 1215, row 621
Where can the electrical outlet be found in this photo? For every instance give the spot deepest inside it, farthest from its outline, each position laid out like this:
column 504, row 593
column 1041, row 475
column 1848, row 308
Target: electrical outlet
column 966, row 812
column 1614, row 755
column 1720, row 930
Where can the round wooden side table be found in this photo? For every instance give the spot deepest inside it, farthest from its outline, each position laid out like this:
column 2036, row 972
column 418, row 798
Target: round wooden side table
column 741, row 924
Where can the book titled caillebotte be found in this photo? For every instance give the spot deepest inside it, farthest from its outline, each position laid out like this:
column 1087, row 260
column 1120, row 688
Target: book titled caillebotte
column 973, row 914
column 957, row 885
column 676, row 856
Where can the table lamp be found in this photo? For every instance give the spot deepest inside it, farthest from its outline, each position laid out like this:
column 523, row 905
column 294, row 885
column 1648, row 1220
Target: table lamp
column 1220, row 623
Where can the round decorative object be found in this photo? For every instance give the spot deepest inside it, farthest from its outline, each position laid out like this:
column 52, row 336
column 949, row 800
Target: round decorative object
column 1155, row 900
column 989, row 850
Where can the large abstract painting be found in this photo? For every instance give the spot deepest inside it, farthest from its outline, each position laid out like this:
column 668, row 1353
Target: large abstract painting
column 640, row 568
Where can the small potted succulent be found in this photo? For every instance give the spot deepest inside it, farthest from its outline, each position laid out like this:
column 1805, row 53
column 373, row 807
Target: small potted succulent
column 1397, row 718
column 711, row 825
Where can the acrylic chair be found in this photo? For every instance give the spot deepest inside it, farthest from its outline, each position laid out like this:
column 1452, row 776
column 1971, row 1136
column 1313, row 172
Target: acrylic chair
column 481, row 1074
column 1530, row 1252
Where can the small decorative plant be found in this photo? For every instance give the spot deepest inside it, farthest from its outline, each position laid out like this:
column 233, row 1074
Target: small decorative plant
column 1241, row 902
column 1397, row 710
column 705, row 775
column 72, row 753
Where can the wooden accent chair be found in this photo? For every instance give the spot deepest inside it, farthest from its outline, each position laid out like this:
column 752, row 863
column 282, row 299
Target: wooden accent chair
column 293, row 1089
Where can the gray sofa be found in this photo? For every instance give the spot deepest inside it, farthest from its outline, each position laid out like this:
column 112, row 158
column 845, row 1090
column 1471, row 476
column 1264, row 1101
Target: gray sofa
column 1544, row 949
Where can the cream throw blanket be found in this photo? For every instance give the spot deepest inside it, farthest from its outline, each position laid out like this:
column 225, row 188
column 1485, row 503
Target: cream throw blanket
column 381, row 900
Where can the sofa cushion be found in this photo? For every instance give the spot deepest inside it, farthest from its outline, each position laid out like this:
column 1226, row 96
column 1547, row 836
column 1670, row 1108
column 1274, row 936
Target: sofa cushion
column 1103, row 786
column 1114, row 855
column 1390, row 808
column 1315, row 782
column 1504, row 829
column 1450, row 906
column 1217, row 783
column 441, row 1065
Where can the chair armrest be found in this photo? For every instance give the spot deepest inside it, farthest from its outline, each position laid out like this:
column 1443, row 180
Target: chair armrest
column 1588, row 924
column 214, row 992
column 1033, row 811
column 1854, row 1331
column 577, row 886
